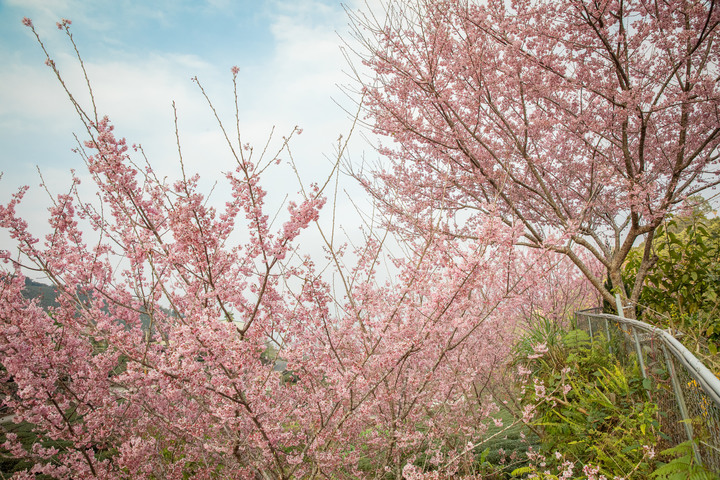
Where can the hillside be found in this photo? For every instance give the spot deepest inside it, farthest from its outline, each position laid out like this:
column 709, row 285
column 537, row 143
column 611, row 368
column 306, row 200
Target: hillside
column 44, row 293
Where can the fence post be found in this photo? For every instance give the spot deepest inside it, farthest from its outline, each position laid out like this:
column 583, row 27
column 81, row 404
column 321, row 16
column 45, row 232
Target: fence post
column 619, row 306
column 607, row 332
column 681, row 404
column 638, row 349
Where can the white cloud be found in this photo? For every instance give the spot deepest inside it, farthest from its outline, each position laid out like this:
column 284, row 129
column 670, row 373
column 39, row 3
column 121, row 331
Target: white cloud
column 43, row 6
column 294, row 85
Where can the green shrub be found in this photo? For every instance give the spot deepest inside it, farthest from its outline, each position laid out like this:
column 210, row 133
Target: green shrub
column 588, row 408
column 683, row 288
column 682, row 465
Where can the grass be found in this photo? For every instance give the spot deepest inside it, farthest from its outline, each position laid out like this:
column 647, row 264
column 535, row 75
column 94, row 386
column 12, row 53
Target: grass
column 506, row 446
column 8, row 464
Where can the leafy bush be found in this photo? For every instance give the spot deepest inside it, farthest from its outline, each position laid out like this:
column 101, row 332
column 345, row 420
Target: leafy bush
column 587, row 408
column 683, row 288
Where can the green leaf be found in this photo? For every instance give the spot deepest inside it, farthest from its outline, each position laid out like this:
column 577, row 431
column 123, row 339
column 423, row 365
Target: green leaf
column 522, row 471
column 647, row 383
column 484, row 455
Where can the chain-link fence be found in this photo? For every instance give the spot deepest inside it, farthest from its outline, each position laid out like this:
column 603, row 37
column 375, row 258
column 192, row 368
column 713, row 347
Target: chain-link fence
column 687, row 393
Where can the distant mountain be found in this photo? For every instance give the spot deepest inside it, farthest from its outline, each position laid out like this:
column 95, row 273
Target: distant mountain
column 45, row 293
column 47, row 297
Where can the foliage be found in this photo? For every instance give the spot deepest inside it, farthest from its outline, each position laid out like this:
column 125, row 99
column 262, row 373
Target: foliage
column 504, row 447
column 587, row 409
column 683, row 288
column 686, row 277
column 683, row 466
column 550, row 334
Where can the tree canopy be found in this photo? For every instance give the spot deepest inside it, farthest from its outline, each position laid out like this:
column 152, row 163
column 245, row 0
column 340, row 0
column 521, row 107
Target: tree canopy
column 581, row 123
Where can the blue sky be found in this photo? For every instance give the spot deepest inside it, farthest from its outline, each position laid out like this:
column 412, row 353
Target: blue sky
column 186, row 27
column 140, row 56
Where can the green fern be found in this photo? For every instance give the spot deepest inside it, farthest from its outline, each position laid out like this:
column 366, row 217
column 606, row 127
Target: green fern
column 683, row 466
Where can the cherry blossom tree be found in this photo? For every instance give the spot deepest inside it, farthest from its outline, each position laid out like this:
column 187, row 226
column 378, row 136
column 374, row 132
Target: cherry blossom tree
column 585, row 122
column 152, row 364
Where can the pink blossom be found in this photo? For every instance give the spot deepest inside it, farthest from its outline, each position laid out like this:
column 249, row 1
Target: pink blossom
column 545, row 82
column 187, row 296
column 649, row 451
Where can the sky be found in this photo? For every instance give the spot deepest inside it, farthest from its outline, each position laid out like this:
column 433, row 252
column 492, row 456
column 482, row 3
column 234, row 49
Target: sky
column 140, row 56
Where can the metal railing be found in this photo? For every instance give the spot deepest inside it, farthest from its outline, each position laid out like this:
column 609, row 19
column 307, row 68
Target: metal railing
column 686, row 391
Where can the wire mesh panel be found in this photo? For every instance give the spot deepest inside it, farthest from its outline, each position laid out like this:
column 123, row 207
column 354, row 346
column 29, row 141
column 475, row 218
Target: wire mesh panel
column 704, row 418
column 686, row 392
